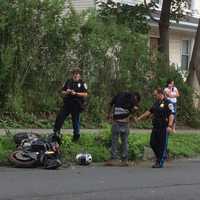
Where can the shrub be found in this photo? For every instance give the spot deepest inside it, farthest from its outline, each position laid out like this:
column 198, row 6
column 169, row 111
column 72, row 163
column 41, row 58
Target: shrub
column 40, row 43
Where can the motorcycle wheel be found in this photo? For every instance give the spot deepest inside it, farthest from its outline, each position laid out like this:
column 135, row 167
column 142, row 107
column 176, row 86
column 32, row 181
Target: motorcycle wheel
column 19, row 159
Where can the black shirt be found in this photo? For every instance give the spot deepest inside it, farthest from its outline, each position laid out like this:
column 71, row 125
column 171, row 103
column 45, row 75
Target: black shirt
column 123, row 104
column 77, row 86
column 161, row 111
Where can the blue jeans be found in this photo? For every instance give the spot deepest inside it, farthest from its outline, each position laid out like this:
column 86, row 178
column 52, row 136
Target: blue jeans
column 120, row 129
column 76, row 123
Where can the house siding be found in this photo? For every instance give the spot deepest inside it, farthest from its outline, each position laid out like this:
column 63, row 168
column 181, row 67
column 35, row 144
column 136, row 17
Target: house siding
column 175, row 43
column 80, row 5
column 84, row 4
column 175, row 51
column 175, row 46
column 176, row 36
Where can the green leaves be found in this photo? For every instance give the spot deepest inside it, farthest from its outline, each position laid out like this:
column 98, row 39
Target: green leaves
column 33, row 51
column 132, row 16
column 40, row 41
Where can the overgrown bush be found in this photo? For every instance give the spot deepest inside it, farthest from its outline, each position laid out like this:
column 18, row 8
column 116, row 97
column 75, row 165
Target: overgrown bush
column 40, row 41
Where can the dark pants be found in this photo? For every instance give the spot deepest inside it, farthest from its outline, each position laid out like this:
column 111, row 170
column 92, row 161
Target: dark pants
column 120, row 129
column 63, row 114
column 159, row 142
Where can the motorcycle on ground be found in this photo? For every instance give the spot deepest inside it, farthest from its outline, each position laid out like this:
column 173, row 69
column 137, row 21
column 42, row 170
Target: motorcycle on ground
column 34, row 151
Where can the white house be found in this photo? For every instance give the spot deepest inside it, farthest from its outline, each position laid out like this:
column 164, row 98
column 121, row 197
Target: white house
column 182, row 34
column 83, row 4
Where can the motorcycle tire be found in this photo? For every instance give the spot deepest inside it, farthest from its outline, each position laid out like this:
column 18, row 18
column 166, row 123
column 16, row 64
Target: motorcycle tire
column 18, row 159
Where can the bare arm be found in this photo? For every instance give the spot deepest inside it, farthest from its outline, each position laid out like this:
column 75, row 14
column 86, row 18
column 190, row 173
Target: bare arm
column 66, row 92
column 171, row 120
column 177, row 93
column 170, row 123
column 144, row 115
column 72, row 92
column 80, row 94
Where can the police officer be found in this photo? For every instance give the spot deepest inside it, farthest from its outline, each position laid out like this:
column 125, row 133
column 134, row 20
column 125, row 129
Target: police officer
column 121, row 106
column 74, row 91
column 162, row 113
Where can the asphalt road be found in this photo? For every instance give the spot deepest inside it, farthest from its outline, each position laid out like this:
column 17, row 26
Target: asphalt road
column 179, row 180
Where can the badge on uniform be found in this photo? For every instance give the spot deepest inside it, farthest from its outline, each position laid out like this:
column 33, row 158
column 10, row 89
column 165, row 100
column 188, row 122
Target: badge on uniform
column 85, row 86
column 162, row 105
column 171, row 107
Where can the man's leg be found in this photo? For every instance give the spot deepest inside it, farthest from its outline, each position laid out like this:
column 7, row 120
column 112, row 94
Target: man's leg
column 163, row 142
column 76, row 125
column 124, row 132
column 115, row 138
column 154, row 142
column 62, row 115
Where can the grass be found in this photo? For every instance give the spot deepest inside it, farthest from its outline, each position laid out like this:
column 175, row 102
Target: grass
column 180, row 145
column 6, row 147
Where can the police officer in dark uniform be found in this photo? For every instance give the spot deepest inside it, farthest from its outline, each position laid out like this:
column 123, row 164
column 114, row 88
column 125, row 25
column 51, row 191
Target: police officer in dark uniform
column 121, row 107
column 162, row 113
column 74, row 91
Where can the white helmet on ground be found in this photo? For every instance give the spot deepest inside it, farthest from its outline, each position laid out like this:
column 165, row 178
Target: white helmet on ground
column 83, row 158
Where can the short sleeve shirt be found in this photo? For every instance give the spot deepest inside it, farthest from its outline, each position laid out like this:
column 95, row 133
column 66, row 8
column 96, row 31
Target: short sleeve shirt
column 161, row 111
column 77, row 86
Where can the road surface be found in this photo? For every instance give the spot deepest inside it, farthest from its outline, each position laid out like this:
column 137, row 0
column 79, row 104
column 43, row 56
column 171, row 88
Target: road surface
column 178, row 180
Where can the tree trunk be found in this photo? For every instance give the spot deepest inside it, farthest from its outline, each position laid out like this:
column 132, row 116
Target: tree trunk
column 194, row 70
column 164, row 30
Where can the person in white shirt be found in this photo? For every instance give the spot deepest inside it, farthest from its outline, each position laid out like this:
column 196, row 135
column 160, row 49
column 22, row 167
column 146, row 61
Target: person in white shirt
column 172, row 93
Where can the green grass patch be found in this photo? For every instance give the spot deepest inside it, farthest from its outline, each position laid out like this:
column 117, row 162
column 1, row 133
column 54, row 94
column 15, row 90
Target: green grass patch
column 180, row 145
column 184, row 145
column 6, row 147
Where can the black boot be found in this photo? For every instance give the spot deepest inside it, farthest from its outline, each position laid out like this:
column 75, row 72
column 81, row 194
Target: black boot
column 75, row 138
column 57, row 137
column 157, row 165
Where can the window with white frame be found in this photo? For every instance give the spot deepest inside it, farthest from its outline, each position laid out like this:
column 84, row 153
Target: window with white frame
column 185, row 54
